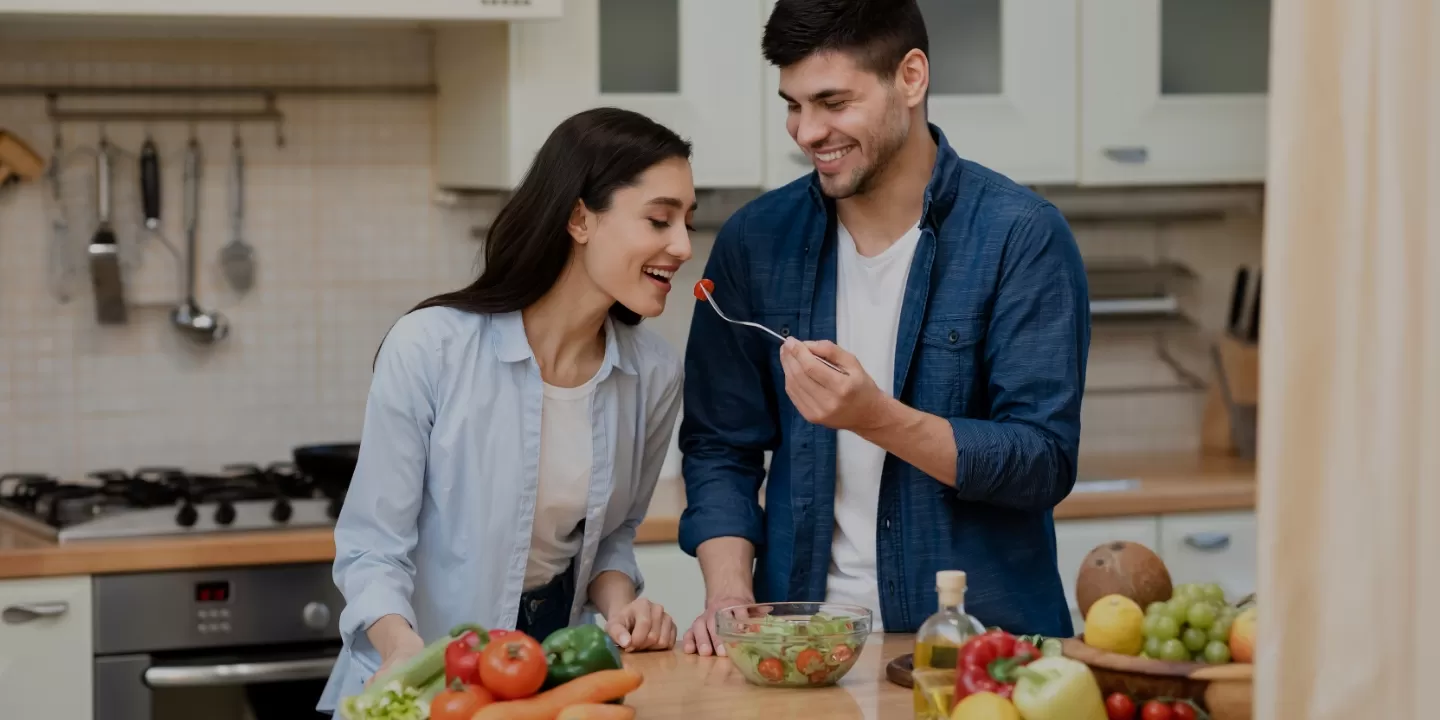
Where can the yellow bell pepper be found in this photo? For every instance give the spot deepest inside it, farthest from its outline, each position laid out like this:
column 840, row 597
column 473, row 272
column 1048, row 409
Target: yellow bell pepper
column 1057, row 688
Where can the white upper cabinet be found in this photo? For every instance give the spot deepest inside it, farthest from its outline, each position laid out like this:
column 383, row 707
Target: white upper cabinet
column 1174, row 91
column 1001, row 89
column 692, row 65
column 296, row 9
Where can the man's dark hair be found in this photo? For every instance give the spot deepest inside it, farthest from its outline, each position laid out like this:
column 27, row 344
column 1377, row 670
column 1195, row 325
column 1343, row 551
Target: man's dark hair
column 876, row 33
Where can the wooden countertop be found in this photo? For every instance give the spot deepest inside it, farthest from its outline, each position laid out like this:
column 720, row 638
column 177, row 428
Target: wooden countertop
column 702, row 688
column 1166, row 484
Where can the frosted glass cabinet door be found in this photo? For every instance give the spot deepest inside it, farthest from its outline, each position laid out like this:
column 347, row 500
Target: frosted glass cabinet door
column 1175, row 90
column 692, row 65
column 1002, row 88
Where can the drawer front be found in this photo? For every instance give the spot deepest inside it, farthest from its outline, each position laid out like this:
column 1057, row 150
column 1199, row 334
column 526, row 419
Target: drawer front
column 45, row 641
column 1212, row 547
column 1074, row 539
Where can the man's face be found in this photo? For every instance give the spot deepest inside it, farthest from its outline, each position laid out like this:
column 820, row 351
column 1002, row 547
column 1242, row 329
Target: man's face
column 849, row 121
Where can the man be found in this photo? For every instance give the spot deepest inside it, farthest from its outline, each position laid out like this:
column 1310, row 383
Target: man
column 959, row 308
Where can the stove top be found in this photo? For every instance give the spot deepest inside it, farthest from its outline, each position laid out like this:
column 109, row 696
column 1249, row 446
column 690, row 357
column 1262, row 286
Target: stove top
column 155, row 501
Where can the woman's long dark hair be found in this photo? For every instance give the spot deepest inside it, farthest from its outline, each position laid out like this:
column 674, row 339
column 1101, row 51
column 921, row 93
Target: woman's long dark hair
column 587, row 157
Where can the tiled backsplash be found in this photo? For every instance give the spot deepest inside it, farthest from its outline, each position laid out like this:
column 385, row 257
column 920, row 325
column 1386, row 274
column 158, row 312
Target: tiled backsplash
column 347, row 237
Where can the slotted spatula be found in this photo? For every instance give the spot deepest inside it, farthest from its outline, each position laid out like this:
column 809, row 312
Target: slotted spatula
column 237, row 258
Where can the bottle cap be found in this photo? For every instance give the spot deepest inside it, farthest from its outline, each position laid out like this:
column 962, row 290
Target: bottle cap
column 950, row 580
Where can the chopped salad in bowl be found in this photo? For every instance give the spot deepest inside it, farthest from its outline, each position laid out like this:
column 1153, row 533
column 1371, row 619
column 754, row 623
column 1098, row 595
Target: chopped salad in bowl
column 793, row 644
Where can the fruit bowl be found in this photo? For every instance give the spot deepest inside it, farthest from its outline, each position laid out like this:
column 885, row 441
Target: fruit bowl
column 1226, row 691
column 793, row 644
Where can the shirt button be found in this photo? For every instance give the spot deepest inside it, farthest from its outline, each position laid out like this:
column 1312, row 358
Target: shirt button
column 890, row 587
column 785, row 330
column 954, row 336
column 887, row 523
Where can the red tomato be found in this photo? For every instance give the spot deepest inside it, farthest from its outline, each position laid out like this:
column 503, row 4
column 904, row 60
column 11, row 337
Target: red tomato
column 1156, row 710
column 819, row 676
column 1184, row 711
column 706, row 283
column 459, row 702
column 771, row 669
column 809, row 661
column 514, row 667
column 1119, row 706
column 841, row 654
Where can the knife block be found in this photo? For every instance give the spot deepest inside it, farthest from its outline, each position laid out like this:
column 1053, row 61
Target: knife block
column 1228, row 426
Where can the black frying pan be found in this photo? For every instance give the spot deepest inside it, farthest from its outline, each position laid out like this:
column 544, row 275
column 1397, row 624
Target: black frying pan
column 331, row 466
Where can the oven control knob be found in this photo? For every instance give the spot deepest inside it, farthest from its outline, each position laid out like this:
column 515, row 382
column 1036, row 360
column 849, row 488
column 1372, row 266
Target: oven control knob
column 316, row 615
column 186, row 516
column 225, row 514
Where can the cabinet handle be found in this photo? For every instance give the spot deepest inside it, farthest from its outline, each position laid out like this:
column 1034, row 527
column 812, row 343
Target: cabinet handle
column 1208, row 541
column 25, row 612
column 1128, row 155
column 800, row 158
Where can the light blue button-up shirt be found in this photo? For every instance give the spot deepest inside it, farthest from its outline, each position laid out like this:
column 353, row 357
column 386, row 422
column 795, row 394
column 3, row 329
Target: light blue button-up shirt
column 436, row 525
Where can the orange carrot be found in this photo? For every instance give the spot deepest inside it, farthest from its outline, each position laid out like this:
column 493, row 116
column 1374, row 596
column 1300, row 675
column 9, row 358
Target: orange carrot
column 598, row 687
column 597, row 711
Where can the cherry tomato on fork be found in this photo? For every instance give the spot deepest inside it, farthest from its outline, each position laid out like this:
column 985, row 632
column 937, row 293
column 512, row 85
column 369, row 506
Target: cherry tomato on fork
column 708, row 285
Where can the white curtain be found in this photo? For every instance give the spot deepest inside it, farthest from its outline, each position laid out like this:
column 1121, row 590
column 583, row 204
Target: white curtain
column 1349, row 461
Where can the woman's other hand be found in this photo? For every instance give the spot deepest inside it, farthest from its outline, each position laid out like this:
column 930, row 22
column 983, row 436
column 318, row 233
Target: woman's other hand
column 396, row 642
column 641, row 625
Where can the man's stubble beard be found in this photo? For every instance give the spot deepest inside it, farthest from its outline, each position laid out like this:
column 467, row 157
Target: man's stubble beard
column 863, row 179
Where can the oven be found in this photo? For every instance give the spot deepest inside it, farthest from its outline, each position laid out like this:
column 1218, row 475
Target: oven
column 247, row 643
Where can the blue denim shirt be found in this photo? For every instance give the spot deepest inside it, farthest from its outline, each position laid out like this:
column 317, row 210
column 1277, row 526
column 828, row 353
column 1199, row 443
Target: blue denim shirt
column 993, row 336
column 436, row 525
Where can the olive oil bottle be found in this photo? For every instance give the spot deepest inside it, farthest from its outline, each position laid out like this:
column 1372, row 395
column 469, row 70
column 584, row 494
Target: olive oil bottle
column 938, row 643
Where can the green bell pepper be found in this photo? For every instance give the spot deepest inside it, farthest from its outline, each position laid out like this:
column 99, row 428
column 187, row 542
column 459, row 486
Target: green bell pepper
column 575, row 651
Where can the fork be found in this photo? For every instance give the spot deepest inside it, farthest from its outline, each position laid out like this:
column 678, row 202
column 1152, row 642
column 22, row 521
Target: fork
column 777, row 336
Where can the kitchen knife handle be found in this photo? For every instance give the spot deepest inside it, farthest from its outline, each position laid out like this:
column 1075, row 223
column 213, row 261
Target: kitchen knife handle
column 26, row 612
column 150, row 184
column 1237, row 300
column 1253, row 332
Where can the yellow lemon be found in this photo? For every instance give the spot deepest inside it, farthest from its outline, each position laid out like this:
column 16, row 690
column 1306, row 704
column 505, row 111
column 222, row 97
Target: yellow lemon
column 1114, row 623
column 985, row 706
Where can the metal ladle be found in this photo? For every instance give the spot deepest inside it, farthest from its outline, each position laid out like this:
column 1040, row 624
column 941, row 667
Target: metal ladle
column 196, row 324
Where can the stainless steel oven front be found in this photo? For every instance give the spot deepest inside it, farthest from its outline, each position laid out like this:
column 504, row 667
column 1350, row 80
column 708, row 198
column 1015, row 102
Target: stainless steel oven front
column 228, row 643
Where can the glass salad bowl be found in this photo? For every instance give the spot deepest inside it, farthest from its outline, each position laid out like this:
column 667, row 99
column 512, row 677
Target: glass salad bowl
column 793, row 644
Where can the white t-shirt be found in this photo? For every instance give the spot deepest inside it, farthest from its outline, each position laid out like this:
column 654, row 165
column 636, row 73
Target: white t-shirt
column 564, row 483
column 870, row 291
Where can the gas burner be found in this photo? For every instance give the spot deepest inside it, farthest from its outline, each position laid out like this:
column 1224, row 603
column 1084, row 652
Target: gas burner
column 165, row 500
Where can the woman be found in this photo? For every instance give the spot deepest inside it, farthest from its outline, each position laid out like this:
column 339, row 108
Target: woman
column 515, row 429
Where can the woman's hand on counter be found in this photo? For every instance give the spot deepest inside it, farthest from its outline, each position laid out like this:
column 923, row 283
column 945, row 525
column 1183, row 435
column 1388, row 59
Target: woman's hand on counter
column 641, row 625
column 396, row 642
column 633, row 623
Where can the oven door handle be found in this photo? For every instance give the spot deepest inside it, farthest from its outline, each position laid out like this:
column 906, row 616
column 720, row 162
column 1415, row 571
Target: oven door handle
column 239, row 673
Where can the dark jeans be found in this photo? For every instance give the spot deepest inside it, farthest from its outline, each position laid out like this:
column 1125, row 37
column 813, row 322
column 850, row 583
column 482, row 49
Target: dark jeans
column 547, row 608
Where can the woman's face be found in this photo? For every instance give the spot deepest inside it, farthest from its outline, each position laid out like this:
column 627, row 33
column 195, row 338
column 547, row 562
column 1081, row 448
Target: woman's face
column 632, row 250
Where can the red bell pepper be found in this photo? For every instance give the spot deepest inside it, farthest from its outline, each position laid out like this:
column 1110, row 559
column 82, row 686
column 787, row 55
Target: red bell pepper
column 988, row 661
column 462, row 656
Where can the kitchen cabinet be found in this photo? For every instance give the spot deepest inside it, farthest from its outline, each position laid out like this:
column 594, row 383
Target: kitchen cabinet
column 999, row 88
column 296, row 9
column 1074, row 539
column 45, row 648
column 673, row 579
column 1211, row 547
column 1174, row 91
column 692, row 65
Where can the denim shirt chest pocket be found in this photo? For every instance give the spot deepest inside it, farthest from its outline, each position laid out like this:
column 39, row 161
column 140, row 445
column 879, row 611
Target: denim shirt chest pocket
column 946, row 359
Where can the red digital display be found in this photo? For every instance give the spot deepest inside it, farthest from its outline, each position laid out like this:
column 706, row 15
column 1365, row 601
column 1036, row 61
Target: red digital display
column 216, row 592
